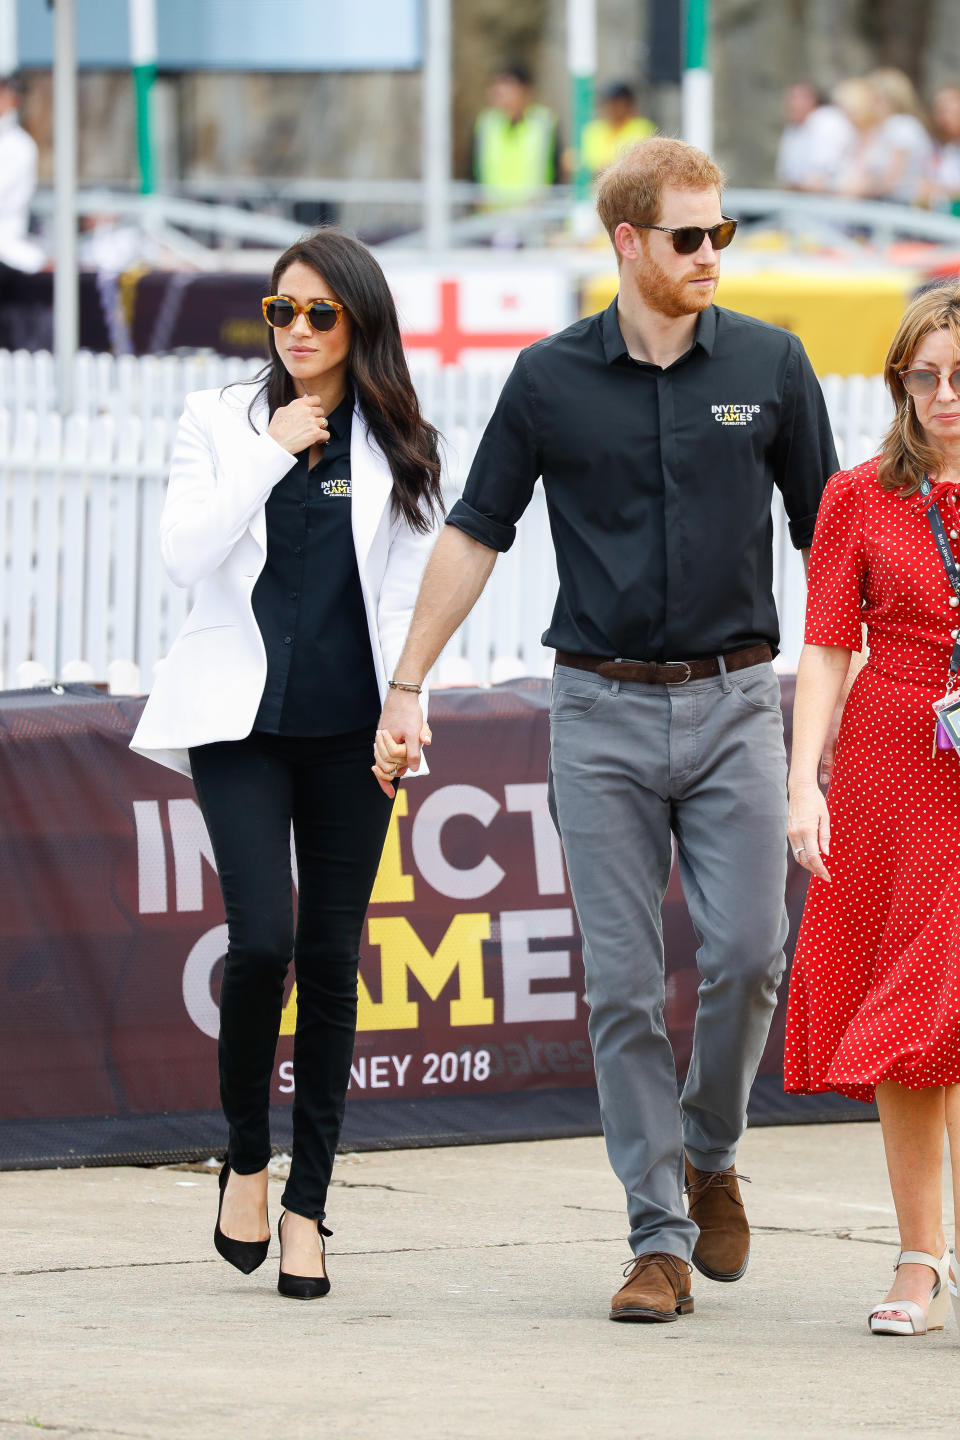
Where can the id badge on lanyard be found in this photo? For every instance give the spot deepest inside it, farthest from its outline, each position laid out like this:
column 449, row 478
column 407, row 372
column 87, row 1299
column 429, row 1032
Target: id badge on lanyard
column 946, row 734
column 947, row 712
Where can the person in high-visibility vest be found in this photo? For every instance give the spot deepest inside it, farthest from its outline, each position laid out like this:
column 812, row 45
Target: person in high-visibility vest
column 515, row 141
column 615, row 129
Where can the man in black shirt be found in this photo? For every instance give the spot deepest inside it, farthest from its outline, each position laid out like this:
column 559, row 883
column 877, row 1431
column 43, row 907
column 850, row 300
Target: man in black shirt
column 660, row 428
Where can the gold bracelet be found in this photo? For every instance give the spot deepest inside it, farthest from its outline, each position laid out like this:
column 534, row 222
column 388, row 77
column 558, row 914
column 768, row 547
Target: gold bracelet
column 404, row 685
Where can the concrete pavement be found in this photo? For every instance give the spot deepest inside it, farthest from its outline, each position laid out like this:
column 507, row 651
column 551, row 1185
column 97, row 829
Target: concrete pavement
column 470, row 1293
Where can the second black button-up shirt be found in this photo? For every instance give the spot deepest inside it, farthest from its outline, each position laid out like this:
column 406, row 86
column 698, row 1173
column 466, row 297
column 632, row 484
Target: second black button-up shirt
column 308, row 602
column 658, row 482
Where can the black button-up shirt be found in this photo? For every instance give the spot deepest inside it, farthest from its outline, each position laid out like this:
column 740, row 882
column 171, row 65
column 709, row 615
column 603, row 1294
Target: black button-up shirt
column 658, row 482
column 308, row 602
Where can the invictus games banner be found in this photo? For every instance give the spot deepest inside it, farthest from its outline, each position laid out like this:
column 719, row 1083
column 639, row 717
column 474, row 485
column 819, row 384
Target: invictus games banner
column 472, row 1022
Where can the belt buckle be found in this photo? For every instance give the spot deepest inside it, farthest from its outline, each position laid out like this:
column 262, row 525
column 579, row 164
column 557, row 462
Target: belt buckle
column 688, row 676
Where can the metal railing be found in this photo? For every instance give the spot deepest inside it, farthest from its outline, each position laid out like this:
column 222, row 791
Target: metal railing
column 200, row 219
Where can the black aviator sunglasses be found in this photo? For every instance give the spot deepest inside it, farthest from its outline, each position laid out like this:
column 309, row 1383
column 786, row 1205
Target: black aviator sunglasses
column 687, row 239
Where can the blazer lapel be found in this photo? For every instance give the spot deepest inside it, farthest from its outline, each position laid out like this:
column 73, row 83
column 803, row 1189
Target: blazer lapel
column 371, row 484
column 258, row 523
column 238, row 403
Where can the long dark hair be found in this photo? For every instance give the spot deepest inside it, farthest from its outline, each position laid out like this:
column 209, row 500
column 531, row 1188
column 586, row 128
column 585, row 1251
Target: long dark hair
column 376, row 365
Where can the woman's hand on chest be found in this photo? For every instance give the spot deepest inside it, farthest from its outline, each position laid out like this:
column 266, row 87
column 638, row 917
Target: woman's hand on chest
column 300, row 425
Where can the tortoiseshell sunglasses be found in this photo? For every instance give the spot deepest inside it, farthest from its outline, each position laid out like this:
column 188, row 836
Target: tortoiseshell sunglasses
column 279, row 311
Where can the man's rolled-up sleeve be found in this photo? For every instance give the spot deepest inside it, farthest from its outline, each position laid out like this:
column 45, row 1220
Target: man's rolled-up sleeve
column 804, row 453
column 505, row 467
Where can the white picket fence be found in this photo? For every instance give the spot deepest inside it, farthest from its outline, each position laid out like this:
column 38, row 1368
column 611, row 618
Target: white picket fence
column 82, row 591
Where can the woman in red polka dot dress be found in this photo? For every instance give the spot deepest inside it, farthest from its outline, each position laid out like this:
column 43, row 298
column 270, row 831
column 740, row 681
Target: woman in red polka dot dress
column 874, row 1007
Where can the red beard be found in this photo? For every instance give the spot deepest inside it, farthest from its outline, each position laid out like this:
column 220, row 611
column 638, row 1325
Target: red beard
column 674, row 297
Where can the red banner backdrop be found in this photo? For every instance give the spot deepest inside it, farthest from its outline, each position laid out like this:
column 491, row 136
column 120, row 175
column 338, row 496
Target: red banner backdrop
column 113, row 936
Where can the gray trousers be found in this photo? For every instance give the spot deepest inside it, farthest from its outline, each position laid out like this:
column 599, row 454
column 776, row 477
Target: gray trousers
column 631, row 767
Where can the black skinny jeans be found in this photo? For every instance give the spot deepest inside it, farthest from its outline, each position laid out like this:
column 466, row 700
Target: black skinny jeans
column 249, row 792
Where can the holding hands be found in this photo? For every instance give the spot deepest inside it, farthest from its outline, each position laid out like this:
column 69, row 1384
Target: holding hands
column 300, row 424
column 402, row 733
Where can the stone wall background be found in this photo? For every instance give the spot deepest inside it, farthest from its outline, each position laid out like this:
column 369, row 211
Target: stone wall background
column 367, row 125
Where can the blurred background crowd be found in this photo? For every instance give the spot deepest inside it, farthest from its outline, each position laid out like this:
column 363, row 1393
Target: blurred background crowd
column 243, row 122
column 869, row 137
column 858, row 98
column 872, row 138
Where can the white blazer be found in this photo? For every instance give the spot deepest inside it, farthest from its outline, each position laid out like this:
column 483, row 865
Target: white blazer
column 213, row 536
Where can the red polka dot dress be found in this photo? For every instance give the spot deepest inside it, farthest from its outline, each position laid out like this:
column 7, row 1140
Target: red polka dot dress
column 875, row 987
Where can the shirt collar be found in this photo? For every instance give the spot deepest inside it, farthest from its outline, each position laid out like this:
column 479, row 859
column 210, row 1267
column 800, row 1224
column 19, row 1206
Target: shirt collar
column 706, row 331
column 614, row 345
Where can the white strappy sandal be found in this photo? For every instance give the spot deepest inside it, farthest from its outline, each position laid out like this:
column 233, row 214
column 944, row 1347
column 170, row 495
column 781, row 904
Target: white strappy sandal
column 906, row 1317
column 953, row 1284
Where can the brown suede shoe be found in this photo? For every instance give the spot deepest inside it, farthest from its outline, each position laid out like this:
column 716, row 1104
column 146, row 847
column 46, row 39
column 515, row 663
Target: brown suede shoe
column 722, row 1251
column 657, row 1288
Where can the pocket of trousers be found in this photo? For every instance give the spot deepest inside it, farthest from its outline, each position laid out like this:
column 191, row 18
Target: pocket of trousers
column 574, row 699
column 757, row 687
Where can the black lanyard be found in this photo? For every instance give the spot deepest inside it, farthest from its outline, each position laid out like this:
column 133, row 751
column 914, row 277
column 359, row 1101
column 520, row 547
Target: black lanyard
column 946, row 555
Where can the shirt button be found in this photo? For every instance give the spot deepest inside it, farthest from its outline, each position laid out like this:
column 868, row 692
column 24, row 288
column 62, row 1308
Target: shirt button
column 954, row 601
column 293, row 594
column 288, row 639
column 303, row 505
column 954, row 634
column 955, row 534
column 298, row 549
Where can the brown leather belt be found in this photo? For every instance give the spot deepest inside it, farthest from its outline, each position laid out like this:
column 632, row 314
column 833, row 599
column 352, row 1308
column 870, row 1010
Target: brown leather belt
column 670, row 672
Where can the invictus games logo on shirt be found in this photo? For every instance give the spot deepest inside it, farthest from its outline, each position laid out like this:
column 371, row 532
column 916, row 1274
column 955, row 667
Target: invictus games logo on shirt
column 337, row 489
column 734, row 414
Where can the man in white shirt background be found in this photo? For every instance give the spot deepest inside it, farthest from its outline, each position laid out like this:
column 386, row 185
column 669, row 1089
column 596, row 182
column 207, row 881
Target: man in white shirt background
column 18, row 180
column 815, row 142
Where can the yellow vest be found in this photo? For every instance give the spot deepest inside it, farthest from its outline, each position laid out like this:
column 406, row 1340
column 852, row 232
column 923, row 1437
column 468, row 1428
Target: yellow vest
column 601, row 144
column 512, row 159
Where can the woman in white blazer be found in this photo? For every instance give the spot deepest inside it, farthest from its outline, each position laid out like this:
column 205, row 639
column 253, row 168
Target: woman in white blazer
column 302, row 517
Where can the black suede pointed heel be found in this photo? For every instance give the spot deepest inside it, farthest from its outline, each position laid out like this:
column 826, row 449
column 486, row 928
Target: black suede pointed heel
column 304, row 1287
column 246, row 1255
